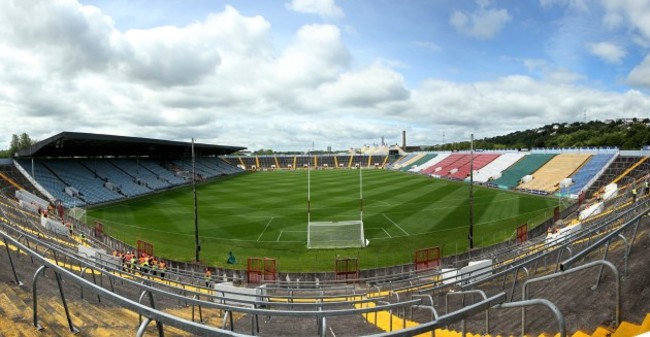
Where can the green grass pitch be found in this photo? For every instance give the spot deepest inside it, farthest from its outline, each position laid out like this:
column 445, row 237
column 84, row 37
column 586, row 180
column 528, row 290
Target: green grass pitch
column 264, row 214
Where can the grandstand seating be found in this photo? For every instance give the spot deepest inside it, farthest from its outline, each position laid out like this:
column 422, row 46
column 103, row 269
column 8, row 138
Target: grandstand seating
column 408, row 163
column 403, row 160
column 480, row 160
column 248, row 162
column 141, row 173
column 163, row 173
column 431, row 162
column 90, row 185
column 343, row 160
column 442, row 167
column 326, row 160
column 223, row 166
column 596, row 164
column 285, row 161
column 493, row 169
column 304, row 160
column 425, row 158
column 547, row 177
column 527, row 165
column 113, row 174
column 51, row 183
column 105, row 180
column 359, row 160
column 266, row 162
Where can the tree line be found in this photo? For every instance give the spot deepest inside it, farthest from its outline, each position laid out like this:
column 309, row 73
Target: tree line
column 629, row 134
column 18, row 142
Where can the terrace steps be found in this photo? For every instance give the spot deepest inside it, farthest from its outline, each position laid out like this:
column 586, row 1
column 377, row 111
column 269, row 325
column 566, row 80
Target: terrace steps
column 630, row 169
column 89, row 316
column 625, row 329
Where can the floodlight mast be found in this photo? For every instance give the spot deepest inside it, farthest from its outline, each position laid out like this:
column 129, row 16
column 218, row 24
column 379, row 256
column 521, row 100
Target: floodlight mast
column 361, row 237
column 309, row 205
column 196, row 212
column 470, row 236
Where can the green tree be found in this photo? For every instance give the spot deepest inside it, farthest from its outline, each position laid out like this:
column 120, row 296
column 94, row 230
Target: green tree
column 21, row 142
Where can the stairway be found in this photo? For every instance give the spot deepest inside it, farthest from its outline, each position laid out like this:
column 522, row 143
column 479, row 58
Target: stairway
column 89, row 316
column 383, row 321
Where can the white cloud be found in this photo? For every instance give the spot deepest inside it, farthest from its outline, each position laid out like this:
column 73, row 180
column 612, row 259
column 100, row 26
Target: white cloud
column 316, row 55
column 429, row 45
column 640, row 75
column 579, row 5
column 367, row 87
column 482, row 23
column 515, row 103
column 222, row 80
column 324, row 8
column 551, row 73
column 633, row 12
column 607, row 51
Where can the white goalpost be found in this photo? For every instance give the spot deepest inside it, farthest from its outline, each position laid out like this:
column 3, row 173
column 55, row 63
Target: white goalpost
column 335, row 234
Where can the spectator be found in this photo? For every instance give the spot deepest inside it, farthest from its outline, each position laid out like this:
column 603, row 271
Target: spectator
column 231, row 258
column 208, row 277
column 163, row 267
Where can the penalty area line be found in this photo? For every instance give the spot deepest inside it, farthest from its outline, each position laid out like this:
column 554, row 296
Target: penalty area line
column 267, row 226
column 396, row 225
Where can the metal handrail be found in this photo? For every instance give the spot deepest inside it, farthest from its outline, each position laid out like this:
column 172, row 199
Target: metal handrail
column 164, row 318
column 537, row 301
column 617, row 284
column 447, row 319
column 260, row 300
column 566, row 264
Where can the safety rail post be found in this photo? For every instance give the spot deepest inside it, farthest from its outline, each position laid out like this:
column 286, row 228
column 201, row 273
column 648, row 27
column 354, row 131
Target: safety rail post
column 40, row 271
column 624, row 254
column 514, row 281
column 617, row 309
column 463, row 293
column 600, row 271
column 636, row 227
column 430, row 306
column 11, row 262
column 196, row 297
column 142, row 327
column 537, row 301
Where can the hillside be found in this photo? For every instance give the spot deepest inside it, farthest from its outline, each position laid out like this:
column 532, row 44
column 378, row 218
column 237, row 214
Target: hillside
column 629, row 134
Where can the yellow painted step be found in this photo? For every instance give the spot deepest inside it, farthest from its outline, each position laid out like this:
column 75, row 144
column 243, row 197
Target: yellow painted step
column 580, row 334
column 601, row 332
column 627, row 329
column 646, row 323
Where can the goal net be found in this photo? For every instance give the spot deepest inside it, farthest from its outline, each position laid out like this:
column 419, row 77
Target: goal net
column 77, row 213
column 335, row 234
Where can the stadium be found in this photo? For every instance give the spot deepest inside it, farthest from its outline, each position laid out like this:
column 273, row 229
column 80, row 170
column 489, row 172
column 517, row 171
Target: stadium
column 203, row 241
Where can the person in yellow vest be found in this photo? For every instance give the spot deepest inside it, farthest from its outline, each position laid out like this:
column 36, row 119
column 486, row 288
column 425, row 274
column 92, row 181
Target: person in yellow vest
column 634, row 194
column 133, row 262
column 647, row 187
column 144, row 266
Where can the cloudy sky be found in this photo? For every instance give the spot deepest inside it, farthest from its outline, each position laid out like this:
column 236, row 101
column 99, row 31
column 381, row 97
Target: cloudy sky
column 288, row 73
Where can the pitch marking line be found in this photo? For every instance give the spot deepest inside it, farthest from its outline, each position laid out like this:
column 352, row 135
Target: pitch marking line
column 267, row 226
column 390, row 237
column 396, row 225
